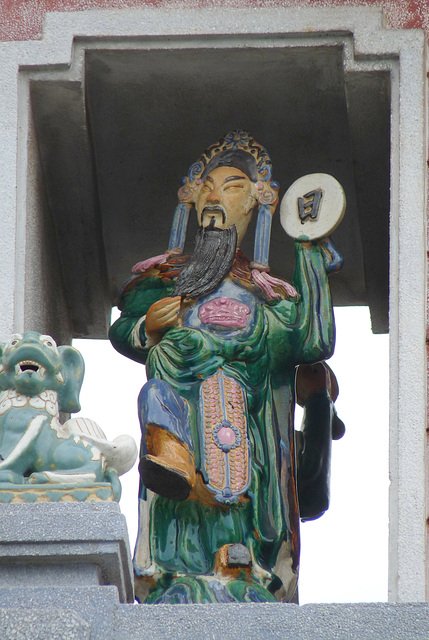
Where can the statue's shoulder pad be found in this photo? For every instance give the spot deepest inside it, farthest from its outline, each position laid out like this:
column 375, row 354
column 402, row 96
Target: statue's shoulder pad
column 153, row 273
column 273, row 287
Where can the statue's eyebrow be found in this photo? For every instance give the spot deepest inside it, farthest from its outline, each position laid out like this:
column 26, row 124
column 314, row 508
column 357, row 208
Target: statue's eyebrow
column 233, row 178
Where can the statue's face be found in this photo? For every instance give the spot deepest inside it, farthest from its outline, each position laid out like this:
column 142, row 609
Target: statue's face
column 228, row 196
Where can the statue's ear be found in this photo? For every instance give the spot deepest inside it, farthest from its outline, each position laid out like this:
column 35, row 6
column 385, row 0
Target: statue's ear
column 74, row 369
column 2, row 346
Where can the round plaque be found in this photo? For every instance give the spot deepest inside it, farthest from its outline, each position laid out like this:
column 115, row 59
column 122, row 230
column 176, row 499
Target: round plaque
column 312, row 207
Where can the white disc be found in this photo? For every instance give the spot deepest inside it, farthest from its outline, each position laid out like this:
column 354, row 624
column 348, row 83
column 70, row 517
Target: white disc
column 312, row 207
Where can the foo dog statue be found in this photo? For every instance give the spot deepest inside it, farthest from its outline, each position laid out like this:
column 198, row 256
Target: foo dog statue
column 37, row 381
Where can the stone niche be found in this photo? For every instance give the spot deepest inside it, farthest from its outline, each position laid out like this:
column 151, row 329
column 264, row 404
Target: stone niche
column 116, row 137
column 114, row 106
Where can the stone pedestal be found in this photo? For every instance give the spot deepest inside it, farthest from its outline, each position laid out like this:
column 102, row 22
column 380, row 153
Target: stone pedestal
column 270, row 621
column 65, row 574
column 59, row 613
column 94, row 613
column 65, row 545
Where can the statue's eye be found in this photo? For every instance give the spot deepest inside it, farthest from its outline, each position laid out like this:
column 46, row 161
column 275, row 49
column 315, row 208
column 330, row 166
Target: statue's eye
column 49, row 342
column 14, row 339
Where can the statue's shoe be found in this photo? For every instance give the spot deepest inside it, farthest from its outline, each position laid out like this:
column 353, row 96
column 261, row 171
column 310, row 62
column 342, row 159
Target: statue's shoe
column 168, row 468
column 161, row 478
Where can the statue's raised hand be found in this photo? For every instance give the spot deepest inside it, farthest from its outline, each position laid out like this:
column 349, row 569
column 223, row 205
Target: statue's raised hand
column 161, row 316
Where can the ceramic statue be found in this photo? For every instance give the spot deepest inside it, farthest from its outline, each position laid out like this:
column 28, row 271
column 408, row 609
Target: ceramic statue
column 221, row 338
column 42, row 458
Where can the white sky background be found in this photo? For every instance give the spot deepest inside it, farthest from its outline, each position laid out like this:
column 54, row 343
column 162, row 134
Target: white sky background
column 344, row 553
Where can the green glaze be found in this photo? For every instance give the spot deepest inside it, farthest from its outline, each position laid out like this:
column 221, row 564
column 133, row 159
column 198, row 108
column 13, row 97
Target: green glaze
column 55, row 496
column 185, row 535
column 183, row 589
column 64, row 368
column 80, row 494
column 37, row 381
column 223, row 341
column 28, row 497
column 104, row 493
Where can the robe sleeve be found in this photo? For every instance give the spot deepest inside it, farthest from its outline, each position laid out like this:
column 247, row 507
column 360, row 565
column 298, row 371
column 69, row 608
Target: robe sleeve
column 303, row 330
column 127, row 334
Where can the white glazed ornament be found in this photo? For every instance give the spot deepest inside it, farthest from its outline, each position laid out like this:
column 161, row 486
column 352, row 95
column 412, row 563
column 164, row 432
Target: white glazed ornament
column 312, row 207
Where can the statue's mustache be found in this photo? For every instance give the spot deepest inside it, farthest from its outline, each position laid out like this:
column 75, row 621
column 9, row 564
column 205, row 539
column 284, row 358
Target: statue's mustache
column 214, row 207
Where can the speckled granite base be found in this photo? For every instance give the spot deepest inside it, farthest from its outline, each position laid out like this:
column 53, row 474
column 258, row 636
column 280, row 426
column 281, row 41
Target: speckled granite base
column 94, row 613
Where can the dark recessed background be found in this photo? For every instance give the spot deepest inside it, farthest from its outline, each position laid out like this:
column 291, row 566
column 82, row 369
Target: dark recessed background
column 114, row 147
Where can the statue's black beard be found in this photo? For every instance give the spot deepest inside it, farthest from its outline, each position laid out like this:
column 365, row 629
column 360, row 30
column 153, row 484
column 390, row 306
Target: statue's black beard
column 211, row 261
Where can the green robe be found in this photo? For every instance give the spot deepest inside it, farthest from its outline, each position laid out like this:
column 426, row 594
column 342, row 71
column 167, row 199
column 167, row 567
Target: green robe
column 185, row 535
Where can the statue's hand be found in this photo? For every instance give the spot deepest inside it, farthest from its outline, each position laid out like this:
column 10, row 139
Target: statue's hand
column 161, row 316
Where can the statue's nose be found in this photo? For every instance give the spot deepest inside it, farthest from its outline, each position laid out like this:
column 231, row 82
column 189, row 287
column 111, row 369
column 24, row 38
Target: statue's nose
column 213, row 196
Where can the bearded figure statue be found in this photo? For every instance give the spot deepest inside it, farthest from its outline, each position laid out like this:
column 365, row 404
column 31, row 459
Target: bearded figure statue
column 222, row 469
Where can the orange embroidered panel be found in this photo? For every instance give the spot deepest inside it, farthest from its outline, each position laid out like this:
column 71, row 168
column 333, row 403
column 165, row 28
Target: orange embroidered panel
column 226, row 455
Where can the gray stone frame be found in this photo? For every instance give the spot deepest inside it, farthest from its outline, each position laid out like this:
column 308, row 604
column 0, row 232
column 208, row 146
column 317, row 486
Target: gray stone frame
column 28, row 281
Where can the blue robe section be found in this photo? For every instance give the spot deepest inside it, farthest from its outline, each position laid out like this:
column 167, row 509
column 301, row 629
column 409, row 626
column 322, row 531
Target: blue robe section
column 159, row 405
